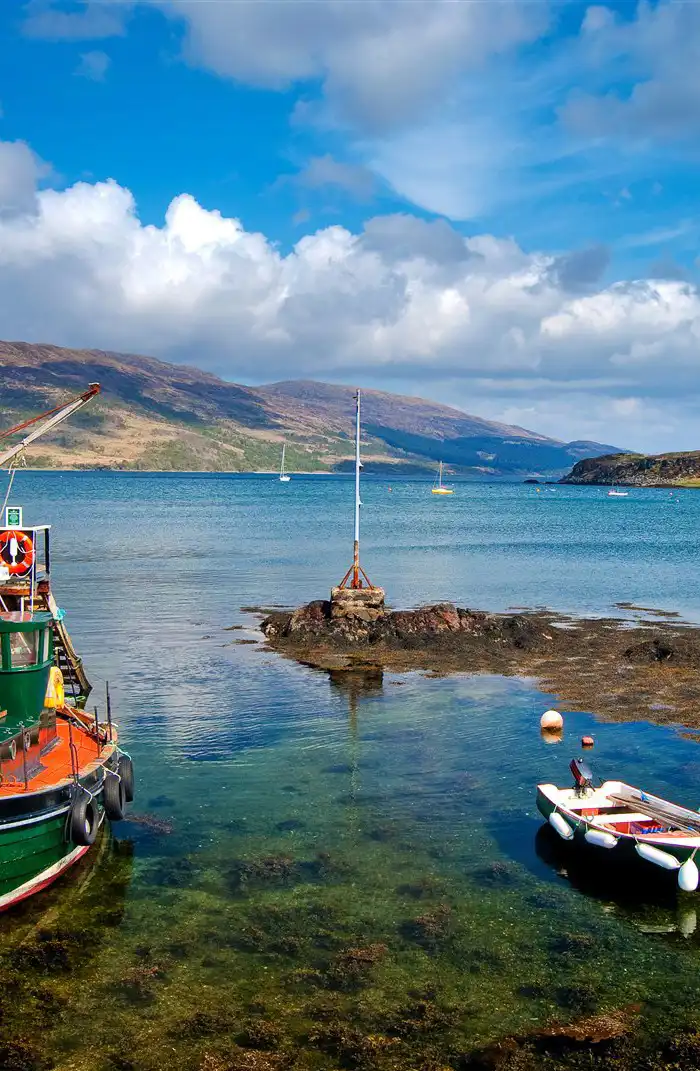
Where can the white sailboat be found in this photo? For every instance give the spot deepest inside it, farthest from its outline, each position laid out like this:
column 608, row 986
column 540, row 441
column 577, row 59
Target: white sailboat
column 439, row 488
column 284, row 478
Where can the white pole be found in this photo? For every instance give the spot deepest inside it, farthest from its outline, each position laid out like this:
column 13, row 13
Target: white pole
column 358, row 466
column 356, row 583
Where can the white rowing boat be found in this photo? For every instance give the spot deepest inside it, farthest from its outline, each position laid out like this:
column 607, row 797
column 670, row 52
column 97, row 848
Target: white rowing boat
column 617, row 816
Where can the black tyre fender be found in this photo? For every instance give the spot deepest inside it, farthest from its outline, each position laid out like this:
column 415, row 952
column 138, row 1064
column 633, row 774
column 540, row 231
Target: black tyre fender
column 83, row 820
column 114, row 796
column 125, row 768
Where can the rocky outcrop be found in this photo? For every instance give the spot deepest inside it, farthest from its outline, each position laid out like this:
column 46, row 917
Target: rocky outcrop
column 638, row 470
column 438, row 625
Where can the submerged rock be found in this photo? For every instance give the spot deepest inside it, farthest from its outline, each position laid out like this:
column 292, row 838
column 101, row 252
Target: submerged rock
column 597, row 1041
column 352, row 969
column 430, row 929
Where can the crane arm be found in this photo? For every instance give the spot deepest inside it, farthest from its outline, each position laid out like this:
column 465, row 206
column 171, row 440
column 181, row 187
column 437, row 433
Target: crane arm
column 51, row 419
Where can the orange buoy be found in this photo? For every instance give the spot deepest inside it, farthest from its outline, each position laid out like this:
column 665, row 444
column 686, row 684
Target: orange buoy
column 587, row 741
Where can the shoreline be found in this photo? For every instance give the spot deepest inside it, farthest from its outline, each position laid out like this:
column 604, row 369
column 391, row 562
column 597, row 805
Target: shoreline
column 426, row 477
column 646, row 668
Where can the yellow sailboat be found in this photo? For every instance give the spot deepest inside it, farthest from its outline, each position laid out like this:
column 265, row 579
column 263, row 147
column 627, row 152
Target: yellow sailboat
column 439, row 488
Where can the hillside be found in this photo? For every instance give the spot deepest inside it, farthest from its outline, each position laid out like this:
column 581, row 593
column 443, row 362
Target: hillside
column 639, row 470
column 153, row 415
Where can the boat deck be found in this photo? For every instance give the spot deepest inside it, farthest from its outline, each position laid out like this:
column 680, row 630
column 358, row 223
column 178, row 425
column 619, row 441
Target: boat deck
column 55, row 766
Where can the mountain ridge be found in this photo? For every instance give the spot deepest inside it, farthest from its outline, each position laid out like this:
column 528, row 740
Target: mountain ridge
column 152, row 415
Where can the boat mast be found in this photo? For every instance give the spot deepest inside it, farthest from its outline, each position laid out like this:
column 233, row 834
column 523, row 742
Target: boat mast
column 356, row 573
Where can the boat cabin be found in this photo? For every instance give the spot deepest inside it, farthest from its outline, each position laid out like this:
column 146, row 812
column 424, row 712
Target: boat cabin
column 27, row 726
column 25, row 586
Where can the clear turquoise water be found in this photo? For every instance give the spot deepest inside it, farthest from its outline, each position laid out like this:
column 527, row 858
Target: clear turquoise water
column 302, row 816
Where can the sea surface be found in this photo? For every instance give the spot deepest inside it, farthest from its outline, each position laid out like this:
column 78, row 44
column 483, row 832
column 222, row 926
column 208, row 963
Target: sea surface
column 341, row 870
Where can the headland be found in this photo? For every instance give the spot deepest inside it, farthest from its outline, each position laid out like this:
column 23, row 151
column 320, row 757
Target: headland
column 638, row 470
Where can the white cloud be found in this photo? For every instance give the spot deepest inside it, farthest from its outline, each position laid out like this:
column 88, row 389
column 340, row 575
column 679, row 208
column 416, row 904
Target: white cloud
column 654, row 57
column 94, row 19
column 380, row 62
column 93, row 65
column 474, row 321
column 20, row 171
column 322, row 172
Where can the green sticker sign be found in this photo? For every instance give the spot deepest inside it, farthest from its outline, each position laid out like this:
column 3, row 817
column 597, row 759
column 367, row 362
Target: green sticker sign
column 13, row 517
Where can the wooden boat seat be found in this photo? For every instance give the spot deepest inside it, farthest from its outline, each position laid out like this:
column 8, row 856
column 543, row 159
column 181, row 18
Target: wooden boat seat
column 621, row 816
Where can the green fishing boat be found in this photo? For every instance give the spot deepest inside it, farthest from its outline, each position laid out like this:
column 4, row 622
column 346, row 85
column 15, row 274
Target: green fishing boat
column 62, row 771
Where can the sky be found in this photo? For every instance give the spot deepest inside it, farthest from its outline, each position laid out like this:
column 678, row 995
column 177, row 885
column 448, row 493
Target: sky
column 490, row 204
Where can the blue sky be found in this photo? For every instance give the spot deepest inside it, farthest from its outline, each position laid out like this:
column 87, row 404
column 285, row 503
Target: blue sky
column 493, row 204
column 160, row 124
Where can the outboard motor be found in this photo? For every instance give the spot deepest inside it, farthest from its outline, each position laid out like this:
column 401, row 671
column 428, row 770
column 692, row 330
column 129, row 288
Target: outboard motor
column 583, row 776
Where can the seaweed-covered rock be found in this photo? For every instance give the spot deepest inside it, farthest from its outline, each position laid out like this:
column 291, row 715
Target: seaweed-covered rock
column 350, row 1046
column 352, row 969
column 53, row 950
column 20, row 1054
column 431, row 928
column 598, row 1041
column 650, row 651
column 260, row 1034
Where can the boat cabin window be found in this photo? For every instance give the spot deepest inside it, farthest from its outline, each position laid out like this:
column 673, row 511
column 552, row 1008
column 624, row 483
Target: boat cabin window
column 24, row 648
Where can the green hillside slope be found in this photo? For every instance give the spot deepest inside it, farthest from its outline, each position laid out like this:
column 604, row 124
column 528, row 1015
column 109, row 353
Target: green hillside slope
column 157, row 416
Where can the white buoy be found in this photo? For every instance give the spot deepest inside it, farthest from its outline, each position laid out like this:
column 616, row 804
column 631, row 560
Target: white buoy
column 558, row 822
column 656, row 856
column 688, row 876
column 551, row 721
column 601, row 838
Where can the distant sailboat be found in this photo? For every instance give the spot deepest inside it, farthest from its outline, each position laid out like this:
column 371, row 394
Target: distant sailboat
column 284, row 478
column 439, row 488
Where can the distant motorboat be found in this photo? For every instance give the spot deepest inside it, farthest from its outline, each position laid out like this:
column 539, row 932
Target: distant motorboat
column 284, row 478
column 439, row 488
column 612, row 493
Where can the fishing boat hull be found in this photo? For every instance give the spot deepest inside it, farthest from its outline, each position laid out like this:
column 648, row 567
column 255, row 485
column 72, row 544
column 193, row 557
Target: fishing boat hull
column 33, row 863
column 618, row 832
column 36, row 845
